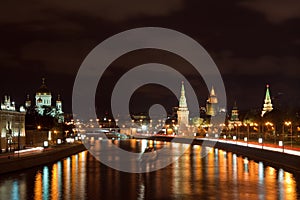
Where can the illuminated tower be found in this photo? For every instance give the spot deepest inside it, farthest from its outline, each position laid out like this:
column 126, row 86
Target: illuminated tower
column 183, row 111
column 212, row 102
column 58, row 105
column 42, row 98
column 43, row 95
column 28, row 102
column 268, row 107
column 59, row 112
column 234, row 113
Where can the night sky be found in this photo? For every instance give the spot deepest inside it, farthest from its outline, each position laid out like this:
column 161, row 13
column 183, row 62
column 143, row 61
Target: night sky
column 253, row 43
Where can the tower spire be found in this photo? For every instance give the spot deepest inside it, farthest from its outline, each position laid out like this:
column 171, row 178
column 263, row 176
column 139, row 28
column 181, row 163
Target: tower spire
column 212, row 101
column 212, row 92
column 183, row 112
column 182, row 102
column 267, row 107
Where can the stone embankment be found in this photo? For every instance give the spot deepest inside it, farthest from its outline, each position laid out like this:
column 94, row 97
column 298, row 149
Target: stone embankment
column 16, row 162
column 275, row 159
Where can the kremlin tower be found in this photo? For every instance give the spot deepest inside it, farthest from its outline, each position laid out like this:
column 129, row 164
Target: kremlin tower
column 268, row 107
column 212, row 102
column 183, row 112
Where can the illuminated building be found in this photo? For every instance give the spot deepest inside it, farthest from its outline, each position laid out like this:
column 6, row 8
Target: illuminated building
column 12, row 126
column 234, row 118
column 43, row 103
column 42, row 97
column 268, row 107
column 183, row 111
column 212, row 103
column 234, row 113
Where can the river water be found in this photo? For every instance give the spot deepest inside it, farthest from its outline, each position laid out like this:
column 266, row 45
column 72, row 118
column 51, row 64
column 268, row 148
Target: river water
column 219, row 175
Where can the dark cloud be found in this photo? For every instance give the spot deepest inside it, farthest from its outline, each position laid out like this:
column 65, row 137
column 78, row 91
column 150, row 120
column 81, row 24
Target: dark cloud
column 112, row 10
column 253, row 42
column 264, row 65
column 57, row 57
column 276, row 11
column 115, row 10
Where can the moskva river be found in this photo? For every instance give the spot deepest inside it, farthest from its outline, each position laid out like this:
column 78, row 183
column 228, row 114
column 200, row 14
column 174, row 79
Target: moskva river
column 219, row 175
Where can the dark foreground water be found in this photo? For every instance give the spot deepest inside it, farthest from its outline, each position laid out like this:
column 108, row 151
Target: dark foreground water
column 220, row 175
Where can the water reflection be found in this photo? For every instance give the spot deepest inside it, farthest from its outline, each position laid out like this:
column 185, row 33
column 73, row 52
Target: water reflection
column 219, row 175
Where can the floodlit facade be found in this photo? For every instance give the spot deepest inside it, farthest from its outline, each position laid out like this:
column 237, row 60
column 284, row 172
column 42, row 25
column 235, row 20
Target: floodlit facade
column 12, row 126
column 43, row 103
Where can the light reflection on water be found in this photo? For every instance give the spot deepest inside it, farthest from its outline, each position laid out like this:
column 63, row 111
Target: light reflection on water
column 220, row 175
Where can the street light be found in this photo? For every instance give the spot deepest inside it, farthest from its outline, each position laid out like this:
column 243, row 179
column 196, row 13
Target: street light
column 289, row 123
column 109, row 120
column 18, row 142
column 272, row 128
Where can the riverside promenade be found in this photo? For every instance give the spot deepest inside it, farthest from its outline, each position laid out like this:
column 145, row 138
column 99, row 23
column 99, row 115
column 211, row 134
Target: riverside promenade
column 284, row 157
column 10, row 162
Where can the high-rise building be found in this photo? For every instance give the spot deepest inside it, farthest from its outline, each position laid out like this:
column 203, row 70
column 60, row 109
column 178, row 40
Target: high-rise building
column 212, row 103
column 267, row 107
column 183, row 111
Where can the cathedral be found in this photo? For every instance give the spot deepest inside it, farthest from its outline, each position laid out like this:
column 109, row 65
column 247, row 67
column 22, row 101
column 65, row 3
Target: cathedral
column 43, row 103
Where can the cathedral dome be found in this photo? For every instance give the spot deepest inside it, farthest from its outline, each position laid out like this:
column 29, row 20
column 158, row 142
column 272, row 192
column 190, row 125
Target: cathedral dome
column 43, row 90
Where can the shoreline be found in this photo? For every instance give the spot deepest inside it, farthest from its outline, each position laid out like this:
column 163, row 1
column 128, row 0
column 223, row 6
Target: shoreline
column 274, row 159
column 14, row 163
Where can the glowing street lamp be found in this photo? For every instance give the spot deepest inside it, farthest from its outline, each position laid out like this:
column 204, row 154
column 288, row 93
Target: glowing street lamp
column 109, row 120
column 289, row 123
column 270, row 124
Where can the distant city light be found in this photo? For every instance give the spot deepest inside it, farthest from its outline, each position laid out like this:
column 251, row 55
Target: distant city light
column 58, row 141
column 46, row 144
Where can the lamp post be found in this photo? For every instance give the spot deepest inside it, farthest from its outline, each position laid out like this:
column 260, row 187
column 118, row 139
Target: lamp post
column 289, row 123
column 248, row 133
column 19, row 142
column 236, row 130
column 141, row 123
column 272, row 127
column 109, row 120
